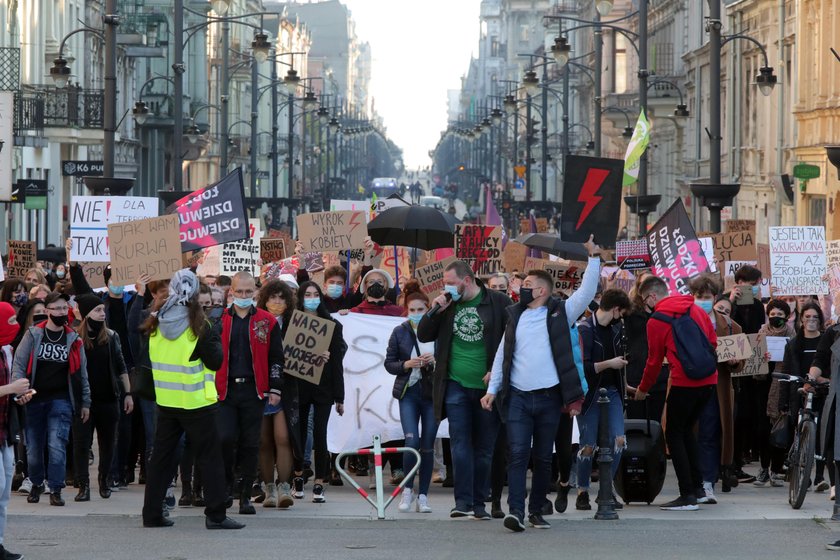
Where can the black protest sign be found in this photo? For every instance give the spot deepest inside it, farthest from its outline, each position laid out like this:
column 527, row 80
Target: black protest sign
column 480, row 247
column 213, row 215
column 307, row 338
column 591, row 199
column 675, row 253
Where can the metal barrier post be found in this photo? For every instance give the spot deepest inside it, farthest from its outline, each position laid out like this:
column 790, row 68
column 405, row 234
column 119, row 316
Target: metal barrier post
column 606, row 506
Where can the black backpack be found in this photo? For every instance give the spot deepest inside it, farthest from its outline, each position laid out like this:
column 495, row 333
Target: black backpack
column 696, row 354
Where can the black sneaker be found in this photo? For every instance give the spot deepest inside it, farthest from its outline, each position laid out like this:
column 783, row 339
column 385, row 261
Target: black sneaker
column 514, row 523
column 618, row 505
column 297, row 484
column 683, row 503
column 830, row 546
column 318, row 496
column 35, row 494
column 496, row 511
column 6, row 555
column 536, row 521
column 743, row 477
column 460, row 512
column 582, row 503
column 481, row 514
column 227, row 523
column 547, row 508
column 561, row 502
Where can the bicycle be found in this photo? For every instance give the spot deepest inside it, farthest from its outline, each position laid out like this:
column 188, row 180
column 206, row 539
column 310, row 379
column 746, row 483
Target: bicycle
column 803, row 450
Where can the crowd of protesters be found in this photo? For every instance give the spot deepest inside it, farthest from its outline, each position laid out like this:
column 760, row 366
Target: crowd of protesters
column 184, row 379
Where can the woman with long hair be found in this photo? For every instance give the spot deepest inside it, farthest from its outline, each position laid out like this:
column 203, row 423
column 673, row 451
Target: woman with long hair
column 109, row 389
column 280, row 432
column 412, row 362
column 321, row 397
column 14, row 292
column 30, row 314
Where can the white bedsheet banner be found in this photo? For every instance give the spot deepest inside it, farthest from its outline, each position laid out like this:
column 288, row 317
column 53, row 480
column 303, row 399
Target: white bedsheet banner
column 369, row 408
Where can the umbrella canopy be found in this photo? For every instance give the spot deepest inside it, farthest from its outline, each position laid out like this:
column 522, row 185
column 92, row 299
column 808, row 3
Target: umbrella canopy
column 52, row 254
column 417, row 226
column 551, row 243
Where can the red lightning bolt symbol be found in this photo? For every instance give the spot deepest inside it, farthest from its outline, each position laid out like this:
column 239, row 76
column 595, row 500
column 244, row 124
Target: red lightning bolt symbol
column 588, row 193
column 353, row 221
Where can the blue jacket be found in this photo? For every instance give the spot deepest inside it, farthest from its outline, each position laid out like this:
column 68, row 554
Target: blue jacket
column 400, row 347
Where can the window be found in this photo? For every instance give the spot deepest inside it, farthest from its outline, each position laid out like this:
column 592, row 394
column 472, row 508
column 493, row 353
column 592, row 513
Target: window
column 816, row 210
column 620, row 63
column 524, row 32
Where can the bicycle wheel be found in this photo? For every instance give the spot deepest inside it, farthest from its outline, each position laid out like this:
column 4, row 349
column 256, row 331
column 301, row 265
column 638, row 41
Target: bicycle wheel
column 804, row 463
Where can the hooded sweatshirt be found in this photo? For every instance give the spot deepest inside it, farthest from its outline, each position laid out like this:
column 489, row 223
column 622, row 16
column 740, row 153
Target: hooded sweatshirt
column 661, row 343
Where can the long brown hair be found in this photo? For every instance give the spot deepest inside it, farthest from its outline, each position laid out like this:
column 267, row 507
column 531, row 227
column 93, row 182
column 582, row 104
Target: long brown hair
column 103, row 338
column 197, row 319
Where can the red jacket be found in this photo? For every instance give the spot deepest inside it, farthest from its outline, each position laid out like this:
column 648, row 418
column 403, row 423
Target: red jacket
column 661, row 343
column 260, row 325
column 380, row 308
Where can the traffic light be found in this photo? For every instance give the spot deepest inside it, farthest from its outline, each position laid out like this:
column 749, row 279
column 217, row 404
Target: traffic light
column 531, row 131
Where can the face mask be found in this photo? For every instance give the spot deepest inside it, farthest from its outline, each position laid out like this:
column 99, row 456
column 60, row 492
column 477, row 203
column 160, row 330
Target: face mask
column 276, row 309
column 334, row 291
column 705, row 305
column 116, row 290
column 20, row 299
column 756, row 290
column 311, row 304
column 526, row 295
column 376, row 290
column 59, row 320
column 777, row 322
column 593, row 306
column 242, row 303
column 811, row 324
column 415, row 317
column 59, row 274
column 95, row 326
column 39, row 318
column 456, row 295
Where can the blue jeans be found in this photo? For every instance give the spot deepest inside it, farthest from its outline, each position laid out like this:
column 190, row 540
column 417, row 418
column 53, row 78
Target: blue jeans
column 531, row 415
column 7, row 471
column 708, row 440
column 472, row 434
column 588, row 424
column 149, row 411
column 413, row 410
column 48, row 425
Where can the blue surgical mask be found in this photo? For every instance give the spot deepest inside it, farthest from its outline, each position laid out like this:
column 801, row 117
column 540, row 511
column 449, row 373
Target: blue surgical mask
column 334, row 291
column 311, row 304
column 243, row 302
column 415, row 317
column 705, row 305
column 756, row 290
column 116, row 290
column 59, row 274
column 452, row 291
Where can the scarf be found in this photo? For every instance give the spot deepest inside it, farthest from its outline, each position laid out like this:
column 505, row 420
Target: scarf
column 173, row 317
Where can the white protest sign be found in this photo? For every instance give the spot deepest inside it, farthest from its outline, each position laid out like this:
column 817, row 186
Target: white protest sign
column 776, row 347
column 709, row 250
column 242, row 255
column 731, row 267
column 798, row 260
column 91, row 215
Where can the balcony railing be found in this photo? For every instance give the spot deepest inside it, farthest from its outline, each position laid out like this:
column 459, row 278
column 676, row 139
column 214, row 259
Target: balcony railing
column 39, row 107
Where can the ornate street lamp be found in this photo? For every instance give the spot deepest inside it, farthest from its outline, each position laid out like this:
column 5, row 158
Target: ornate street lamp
column 510, row 104
column 531, row 83
column 765, row 80
column 291, row 81
column 260, row 46
column 140, row 112
column 60, row 73
column 561, row 50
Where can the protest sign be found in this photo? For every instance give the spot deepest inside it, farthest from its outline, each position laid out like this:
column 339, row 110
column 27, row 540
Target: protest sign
column 756, row 364
column 397, row 266
column 91, row 215
column 243, row 254
column 211, row 265
column 94, row 273
column 709, row 251
column 272, row 250
column 313, row 261
column 592, row 198
column 369, row 408
column 735, row 226
column 733, row 347
column 833, row 263
column 213, row 215
column 21, row 257
column 513, row 256
column 306, row 340
column 613, row 277
column 632, row 255
column 430, row 276
column 567, row 277
column 151, row 247
column 675, row 252
column 776, row 347
column 738, row 246
column 354, row 205
column 332, row 231
column 798, row 260
column 383, row 204
column 480, row 247
column 525, row 225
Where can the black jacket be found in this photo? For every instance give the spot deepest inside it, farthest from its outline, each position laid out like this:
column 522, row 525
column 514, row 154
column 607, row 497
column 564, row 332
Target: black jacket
column 116, row 363
column 438, row 328
column 593, row 352
column 750, row 317
column 635, row 328
column 400, row 346
column 331, row 387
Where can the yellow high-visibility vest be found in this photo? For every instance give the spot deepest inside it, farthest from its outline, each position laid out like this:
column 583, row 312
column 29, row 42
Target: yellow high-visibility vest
column 179, row 381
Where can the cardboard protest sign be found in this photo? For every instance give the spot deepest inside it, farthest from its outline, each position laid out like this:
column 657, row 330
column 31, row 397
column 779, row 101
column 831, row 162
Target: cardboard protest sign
column 632, row 255
column 213, row 215
column 513, row 256
column 739, row 246
column 733, row 347
column 397, row 266
column 91, row 215
column 243, row 254
column 22, row 257
column 613, row 277
column 735, row 226
column 306, row 340
column 211, row 265
column 592, row 198
column 332, row 231
column 675, row 252
column 151, row 246
column 480, row 247
column 567, row 277
column 430, row 276
column 755, row 364
column 542, row 225
column 798, row 260
column 272, row 250
column 94, row 273
column 832, row 254
column 313, row 262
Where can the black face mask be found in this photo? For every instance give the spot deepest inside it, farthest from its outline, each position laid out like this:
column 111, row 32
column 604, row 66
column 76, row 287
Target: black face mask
column 526, row 295
column 376, row 290
column 777, row 322
column 59, row 320
column 95, row 326
column 593, row 306
column 39, row 318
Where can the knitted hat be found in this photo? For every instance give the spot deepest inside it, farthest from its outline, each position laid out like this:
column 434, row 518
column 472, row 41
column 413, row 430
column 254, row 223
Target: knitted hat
column 87, row 303
column 384, row 274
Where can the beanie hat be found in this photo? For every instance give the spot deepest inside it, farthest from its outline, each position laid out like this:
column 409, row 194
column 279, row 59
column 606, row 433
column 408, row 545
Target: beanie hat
column 384, row 274
column 87, row 303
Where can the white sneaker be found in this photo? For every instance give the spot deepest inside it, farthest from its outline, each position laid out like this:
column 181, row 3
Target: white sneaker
column 777, row 480
column 407, row 500
column 709, row 492
column 423, row 504
column 25, row 486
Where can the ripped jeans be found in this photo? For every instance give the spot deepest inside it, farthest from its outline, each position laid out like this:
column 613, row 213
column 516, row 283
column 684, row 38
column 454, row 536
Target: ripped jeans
column 588, row 423
column 414, row 409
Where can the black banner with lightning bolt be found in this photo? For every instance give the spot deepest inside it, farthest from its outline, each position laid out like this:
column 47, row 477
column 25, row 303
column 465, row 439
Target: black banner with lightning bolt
column 591, row 199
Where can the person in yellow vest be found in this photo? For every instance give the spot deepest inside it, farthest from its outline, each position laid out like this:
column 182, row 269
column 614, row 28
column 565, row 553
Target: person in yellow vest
column 185, row 353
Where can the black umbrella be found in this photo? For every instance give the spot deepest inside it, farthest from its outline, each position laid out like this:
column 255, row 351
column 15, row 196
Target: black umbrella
column 423, row 227
column 552, row 244
column 52, row 254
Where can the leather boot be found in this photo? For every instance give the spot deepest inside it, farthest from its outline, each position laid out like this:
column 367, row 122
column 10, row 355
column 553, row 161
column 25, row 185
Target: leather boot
column 197, row 496
column 104, row 487
column 186, row 493
column 245, row 506
column 84, row 492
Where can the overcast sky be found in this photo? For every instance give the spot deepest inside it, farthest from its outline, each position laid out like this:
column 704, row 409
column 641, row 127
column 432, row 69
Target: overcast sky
column 420, row 49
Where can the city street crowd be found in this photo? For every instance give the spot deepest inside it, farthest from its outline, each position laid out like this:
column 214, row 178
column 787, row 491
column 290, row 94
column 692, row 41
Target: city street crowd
column 183, row 382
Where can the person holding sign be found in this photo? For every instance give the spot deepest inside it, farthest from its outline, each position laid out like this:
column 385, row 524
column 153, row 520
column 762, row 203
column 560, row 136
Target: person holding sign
column 251, row 373
column 375, row 286
column 320, row 397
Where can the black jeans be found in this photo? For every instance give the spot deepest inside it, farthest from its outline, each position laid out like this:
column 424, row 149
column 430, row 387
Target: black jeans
column 104, row 418
column 685, row 404
column 319, row 432
column 240, row 421
column 201, row 428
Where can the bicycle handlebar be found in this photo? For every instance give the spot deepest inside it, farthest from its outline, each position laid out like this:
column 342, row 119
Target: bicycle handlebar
column 796, row 379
